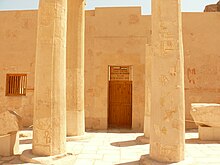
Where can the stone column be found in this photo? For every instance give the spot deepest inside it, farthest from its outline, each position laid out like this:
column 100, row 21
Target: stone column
column 75, row 68
column 167, row 92
column 147, row 92
column 49, row 136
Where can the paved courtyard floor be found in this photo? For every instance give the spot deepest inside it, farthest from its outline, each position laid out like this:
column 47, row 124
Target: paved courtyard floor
column 121, row 147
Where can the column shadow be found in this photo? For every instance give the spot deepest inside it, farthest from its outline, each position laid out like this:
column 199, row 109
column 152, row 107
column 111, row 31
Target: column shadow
column 125, row 143
column 140, row 140
column 145, row 159
column 25, row 141
column 198, row 141
column 130, row 163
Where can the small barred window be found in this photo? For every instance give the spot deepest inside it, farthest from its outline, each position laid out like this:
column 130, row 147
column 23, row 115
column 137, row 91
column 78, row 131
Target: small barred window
column 16, row 84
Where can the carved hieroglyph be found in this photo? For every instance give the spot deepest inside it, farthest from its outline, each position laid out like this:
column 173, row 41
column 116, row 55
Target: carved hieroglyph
column 167, row 83
column 49, row 130
column 75, row 68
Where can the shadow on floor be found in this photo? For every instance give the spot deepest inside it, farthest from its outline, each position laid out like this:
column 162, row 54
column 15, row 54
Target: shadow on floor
column 114, row 130
column 145, row 159
column 192, row 130
column 125, row 143
column 198, row 141
column 25, row 141
column 10, row 160
column 130, row 163
column 141, row 140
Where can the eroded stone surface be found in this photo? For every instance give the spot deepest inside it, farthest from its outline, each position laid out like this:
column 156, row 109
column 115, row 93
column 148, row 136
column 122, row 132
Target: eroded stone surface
column 209, row 133
column 148, row 59
column 9, row 144
column 213, row 7
column 75, row 68
column 9, row 122
column 49, row 129
column 206, row 114
column 167, row 88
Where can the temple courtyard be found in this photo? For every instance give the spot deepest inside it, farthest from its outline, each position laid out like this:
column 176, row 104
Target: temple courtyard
column 70, row 76
column 124, row 147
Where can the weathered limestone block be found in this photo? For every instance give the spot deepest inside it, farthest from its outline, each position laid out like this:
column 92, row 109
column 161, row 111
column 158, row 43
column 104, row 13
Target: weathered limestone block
column 9, row 144
column 209, row 133
column 206, row 114
column 9, row 122
column 213, row 7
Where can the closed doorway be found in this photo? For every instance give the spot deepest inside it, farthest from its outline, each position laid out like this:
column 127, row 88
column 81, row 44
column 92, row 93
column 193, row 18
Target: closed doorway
column 120, row 97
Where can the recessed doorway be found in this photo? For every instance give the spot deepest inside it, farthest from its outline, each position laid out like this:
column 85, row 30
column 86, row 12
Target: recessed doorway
column 120, row 97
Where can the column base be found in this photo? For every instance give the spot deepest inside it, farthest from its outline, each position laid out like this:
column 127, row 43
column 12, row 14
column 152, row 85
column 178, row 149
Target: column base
column 28, row 157
column 75, row 123
column 77, row 138
column 143, row 140
column 146, row 160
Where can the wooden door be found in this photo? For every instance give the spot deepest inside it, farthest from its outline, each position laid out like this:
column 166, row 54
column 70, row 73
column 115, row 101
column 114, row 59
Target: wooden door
column 120, row 104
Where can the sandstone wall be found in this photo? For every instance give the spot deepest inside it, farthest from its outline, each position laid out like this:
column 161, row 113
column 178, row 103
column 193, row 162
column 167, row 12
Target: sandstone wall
column 17, row 55
column 107, row 38
column 202, row 59
column 114, row 36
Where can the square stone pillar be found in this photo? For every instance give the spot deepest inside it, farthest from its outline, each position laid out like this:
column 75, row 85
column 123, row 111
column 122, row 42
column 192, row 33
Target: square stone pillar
column 167, row 93
column 75, row 68
column 49, row 130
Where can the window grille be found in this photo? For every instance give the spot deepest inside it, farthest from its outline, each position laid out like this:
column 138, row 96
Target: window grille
column 16, row 84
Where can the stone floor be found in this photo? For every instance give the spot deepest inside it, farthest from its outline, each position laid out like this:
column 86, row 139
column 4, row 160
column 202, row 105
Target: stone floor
column 120, row 147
